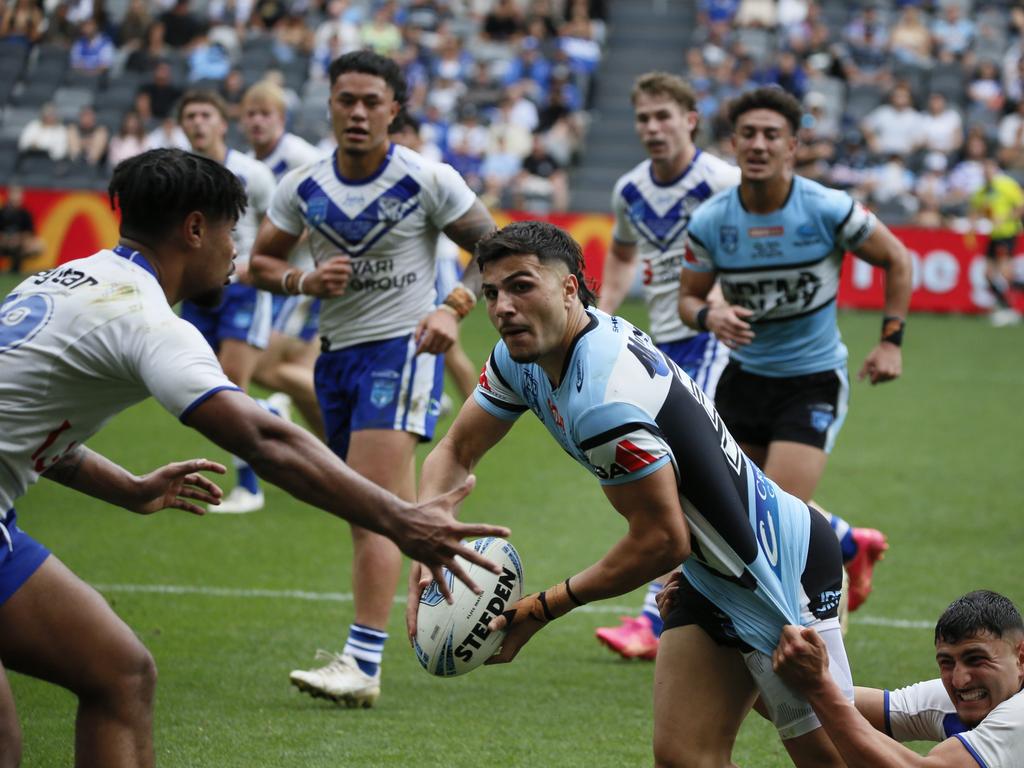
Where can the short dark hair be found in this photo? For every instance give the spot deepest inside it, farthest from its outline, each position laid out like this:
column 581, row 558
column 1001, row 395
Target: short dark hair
column 404, row 120
column 976, row 613
column 159, row 188
column 545, row 241
column 767, row 97
column 370, row 63
column 203, row 96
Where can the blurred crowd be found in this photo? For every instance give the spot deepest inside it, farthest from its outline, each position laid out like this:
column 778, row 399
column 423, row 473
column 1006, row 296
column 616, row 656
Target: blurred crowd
column 905, row 100
column 499, row 87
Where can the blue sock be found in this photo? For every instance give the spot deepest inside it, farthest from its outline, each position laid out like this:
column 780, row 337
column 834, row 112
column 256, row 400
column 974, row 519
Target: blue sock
column 366, row 646
column 651, row 607
column 844, row 532
column 246, row 476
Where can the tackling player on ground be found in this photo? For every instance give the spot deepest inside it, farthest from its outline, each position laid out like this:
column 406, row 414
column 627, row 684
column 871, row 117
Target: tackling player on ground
column 753, row 553
column 82, row 342
column 975, row 709
column 373, row 211
column 775, row 245
column 652, row 205
column 238, row 328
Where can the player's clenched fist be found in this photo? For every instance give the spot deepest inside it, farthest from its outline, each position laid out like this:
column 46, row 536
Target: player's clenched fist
column 330, row 279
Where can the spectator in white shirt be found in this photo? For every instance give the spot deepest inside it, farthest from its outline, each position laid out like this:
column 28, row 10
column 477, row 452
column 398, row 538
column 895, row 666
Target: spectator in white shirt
column 1011, row 138
column 45, row 134
column 893, row 128
column 942, row 128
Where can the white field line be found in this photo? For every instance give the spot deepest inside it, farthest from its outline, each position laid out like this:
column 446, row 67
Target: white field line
column 346, row 597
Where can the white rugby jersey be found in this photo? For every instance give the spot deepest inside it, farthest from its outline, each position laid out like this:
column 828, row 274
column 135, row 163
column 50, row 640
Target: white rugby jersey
column 654, row 217
column 259, row 186
column 79, row 344
column 924, row 712
column 388, row 223
column 289, row 153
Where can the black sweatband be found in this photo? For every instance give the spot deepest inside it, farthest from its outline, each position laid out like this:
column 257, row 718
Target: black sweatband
column 702, row 317
column 892, row 329
column 572, row 595
column 543, row 598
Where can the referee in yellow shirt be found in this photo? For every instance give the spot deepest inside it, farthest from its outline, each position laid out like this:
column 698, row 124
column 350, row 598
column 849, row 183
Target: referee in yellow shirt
column 1001, row 201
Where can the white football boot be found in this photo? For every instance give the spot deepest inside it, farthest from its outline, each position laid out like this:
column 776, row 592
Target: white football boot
column 282, row 403
column 239, row 502
column 341, row 681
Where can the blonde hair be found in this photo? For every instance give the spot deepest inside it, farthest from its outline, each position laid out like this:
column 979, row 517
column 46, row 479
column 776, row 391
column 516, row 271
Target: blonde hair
column 267, row 92
column 666, row 84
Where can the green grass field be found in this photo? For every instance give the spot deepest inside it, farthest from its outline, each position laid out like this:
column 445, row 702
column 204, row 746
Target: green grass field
column 228, row 605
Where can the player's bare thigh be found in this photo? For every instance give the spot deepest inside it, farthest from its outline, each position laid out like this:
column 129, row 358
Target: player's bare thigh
column 238, row 359
column 387, row 457
column 702, row 693
column 796, row 467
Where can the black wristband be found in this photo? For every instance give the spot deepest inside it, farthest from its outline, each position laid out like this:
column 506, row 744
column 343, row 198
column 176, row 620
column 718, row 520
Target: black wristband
column 702, row 317
column 892, row 329
column 572, row 595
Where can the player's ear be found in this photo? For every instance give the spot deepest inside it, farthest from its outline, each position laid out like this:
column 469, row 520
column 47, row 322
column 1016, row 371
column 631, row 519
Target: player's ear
column 194, row 228
column 570, row 289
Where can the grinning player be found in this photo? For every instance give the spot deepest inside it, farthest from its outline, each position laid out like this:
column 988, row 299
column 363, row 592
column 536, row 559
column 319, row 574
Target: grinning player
column 652, row 204
column 756, row 558
column 975, row 709
column 775, row 245
column 405, row 130
column 287, row 363
column 373, row 211
column 238, row 328
column 84, row 341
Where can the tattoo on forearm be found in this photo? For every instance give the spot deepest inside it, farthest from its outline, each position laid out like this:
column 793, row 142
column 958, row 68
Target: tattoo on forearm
column 66, row 468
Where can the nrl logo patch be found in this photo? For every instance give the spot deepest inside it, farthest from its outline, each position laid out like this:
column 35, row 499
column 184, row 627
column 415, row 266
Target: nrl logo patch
column 316, row 210
column 729, row 238
column 383, row 391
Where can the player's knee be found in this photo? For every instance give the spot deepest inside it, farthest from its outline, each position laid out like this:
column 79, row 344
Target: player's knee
column 129, row 681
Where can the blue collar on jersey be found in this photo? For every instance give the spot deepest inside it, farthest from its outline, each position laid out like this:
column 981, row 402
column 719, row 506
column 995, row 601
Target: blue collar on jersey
column 680, row 177
column 368, row 179
column 135, row 258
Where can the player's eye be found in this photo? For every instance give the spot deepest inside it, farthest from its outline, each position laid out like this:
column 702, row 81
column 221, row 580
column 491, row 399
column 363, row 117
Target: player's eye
column 490, row 294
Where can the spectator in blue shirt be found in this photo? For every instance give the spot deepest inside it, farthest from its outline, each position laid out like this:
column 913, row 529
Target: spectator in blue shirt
column 92, row 52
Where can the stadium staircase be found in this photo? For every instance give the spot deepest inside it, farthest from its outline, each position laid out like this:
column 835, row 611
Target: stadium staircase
column 643, row 35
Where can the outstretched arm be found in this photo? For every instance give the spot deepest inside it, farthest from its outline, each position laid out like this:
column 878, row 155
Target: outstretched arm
column 174, row 486
column 657, row 541
column 883, row 249
column 801, row 659
column 296, row 461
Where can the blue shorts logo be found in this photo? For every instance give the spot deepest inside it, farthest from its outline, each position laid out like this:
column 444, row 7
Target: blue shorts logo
column 821, row 419
column 383, row 392
column 729, row 237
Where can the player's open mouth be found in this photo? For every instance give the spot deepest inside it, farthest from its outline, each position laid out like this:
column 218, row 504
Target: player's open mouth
column 513, row 332
column 356, row 133
column 975, row 694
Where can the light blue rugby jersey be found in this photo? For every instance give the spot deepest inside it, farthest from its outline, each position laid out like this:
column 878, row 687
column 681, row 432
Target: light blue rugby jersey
column 623, row 410
column 785, row 267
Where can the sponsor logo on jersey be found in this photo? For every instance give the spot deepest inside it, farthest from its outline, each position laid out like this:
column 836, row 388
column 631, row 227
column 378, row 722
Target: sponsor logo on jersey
column 579, row 375
column 766, row 231
column 484, row 383
column 828, row 601
column 316, row 210
column 729, row 238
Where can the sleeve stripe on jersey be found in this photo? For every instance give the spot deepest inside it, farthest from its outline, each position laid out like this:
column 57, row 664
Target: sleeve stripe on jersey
column 970, row 750
column 888, row 718
column 511, row 407
column 497, row 371
column 697, row 240
column 846, row 218
column 203, row 398
column 619, row 431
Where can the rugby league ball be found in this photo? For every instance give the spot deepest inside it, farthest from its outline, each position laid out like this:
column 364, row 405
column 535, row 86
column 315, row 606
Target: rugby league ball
column 453, row 639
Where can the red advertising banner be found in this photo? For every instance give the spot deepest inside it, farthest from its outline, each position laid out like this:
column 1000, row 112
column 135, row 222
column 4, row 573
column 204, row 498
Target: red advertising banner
column 949, row 272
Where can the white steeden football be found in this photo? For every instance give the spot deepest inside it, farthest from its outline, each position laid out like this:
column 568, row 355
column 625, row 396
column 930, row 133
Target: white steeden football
column 454, row 639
